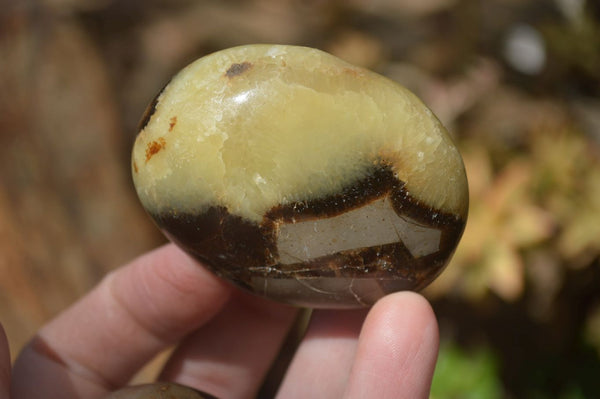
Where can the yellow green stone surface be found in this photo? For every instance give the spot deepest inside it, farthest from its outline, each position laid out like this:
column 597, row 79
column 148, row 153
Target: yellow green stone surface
column 301, row 177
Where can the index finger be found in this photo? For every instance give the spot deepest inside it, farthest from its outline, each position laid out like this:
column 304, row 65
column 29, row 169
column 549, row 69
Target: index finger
column 100, row 342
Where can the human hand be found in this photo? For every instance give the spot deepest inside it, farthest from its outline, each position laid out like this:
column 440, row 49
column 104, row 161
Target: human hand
column 226, row 340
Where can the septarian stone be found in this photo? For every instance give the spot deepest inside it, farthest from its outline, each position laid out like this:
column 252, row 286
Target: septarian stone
column 300, row 177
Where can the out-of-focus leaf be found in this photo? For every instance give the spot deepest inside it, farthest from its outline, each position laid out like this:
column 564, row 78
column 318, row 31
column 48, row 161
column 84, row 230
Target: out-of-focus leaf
column 505, row 271
column 465, row 374
column 503, row 220
column 530, row 224
column 567, row 182
column 582, row 232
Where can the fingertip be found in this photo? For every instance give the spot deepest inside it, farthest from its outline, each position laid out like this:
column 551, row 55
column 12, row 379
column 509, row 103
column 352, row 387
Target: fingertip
column 404, row 323
column 397, row 349
column 394, row 311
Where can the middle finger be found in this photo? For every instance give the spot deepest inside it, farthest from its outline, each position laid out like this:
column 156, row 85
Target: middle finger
column 229, row 356
column 321, row 366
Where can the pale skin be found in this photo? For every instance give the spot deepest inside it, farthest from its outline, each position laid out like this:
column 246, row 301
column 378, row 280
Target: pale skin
column 225, row 340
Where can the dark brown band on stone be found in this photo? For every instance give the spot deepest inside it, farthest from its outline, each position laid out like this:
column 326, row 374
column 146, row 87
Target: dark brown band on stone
column 375, row 185
column 240, row 250
column 379, row 183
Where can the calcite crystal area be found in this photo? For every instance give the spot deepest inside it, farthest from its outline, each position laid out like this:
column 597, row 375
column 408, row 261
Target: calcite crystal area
column 300, row 177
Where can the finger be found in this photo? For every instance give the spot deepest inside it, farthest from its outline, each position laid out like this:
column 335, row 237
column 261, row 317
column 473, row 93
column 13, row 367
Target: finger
column 322, row 364
column 230, row 356
column 136, row 311
column 4, row 364
column 397, row 350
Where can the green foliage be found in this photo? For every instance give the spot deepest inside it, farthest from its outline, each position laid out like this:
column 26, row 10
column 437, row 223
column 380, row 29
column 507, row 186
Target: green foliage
column 461, row 374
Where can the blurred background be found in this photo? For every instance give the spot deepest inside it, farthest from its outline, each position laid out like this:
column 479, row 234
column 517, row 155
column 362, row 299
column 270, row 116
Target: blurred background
column 517, row 82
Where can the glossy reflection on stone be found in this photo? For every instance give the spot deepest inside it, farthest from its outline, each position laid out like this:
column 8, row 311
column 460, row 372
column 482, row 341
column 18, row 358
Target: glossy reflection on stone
column 300, row 177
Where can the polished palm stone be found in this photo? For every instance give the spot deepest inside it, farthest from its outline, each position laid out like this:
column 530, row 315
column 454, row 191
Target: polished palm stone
column 300, row 177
